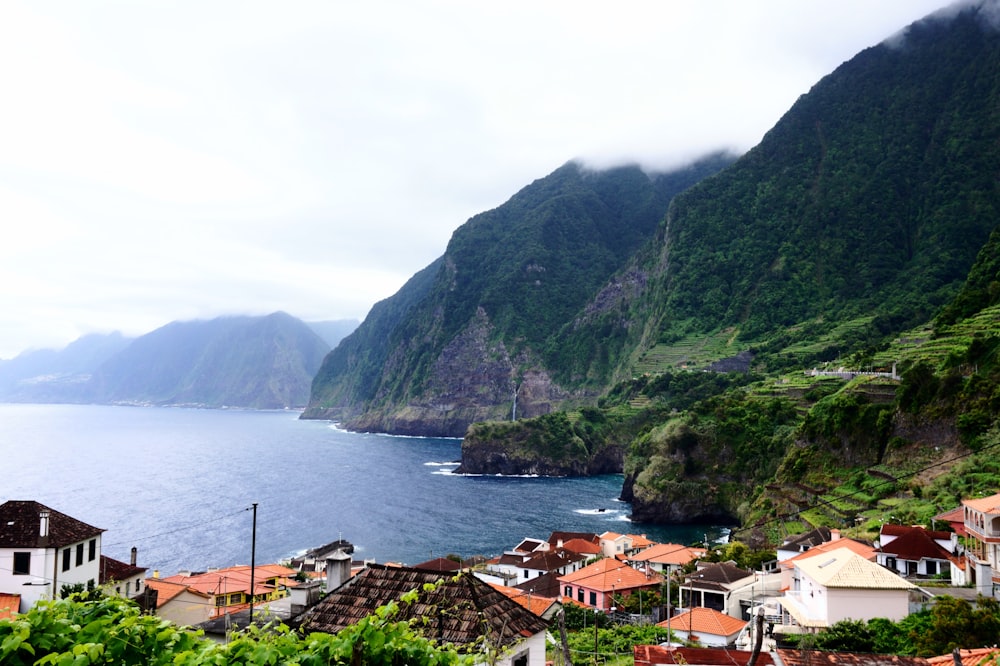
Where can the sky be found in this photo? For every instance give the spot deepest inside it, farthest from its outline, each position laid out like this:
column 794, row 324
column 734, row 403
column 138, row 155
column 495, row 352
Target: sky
column 178, row 160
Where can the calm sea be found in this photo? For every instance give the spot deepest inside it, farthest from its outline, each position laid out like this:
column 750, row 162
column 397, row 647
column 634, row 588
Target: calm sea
column 179, row 484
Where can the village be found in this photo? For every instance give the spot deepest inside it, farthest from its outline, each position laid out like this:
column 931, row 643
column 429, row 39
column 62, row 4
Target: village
column 517, row 600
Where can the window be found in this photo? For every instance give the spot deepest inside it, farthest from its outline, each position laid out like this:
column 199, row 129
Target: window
column 128, row 587
column 79, row 554
column 220, row 600
column 138, row 586
column 568, row 591
column 66, row 557
column 92, row 547
column 593, row 598
column 235, row 598
column 91, row 585
column 22, row 564
column 579, row 594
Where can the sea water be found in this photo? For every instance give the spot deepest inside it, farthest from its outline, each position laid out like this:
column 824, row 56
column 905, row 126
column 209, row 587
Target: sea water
column 180, row 486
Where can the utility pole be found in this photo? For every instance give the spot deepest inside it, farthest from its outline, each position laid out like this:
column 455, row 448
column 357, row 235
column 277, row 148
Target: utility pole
column 253, row 555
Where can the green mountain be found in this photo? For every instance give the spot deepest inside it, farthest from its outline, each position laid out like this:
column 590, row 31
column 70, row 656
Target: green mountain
column 473, row 333
column 727, row 363
column 251, row 362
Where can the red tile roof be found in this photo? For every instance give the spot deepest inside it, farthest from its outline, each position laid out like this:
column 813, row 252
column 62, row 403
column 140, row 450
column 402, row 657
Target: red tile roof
column 668, row 553
column 608, row 574
column 20, row 522
column 899, row 530
column 705, row 621
column 974, row 657
column 989, row 504
column 9, row 603
column 916, row 543
column 650, row 655
column 537, row 604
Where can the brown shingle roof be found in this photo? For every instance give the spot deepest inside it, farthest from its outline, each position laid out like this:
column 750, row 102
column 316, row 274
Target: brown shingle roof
column 116, row 570
column 20, row 522
column 459, row 611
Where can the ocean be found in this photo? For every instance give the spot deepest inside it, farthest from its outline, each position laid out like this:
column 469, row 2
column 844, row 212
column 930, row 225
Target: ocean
column 179, row 485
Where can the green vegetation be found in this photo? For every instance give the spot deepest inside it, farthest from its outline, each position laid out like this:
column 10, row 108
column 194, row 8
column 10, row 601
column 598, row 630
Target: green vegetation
column 951, row 623
column 112, row 631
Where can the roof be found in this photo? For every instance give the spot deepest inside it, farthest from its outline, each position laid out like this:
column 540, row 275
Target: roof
column 717, row 575
column 439, row 564
column 650, row 655
column 608, row 575
column 668, row 553
column 989, row 504
column 535, row 603
column 862, row 549
column 582, row 546
column 916, row 544
column 557, row 536
column 705, row 621
column 546, row 585
column 899, row 530
column 529, row 545
column 20, row 523
column 641, row 541
column 824, row 658
column 460, row 610
column 843, row 568
column 956, row 515
column 166, row 590
column 551, row 560
column 973, row 657
column 116, row 570
column 808, row 540
column 9, row 603
column 235, row 579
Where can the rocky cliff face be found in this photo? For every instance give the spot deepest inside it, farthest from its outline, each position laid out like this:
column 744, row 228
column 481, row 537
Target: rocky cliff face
column 474, row 378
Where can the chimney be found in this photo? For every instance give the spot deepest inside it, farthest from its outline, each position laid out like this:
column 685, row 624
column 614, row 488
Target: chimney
column 834, row 534
column 43, row 523
column 156, row 573
column 338, row 570
column 135, row 552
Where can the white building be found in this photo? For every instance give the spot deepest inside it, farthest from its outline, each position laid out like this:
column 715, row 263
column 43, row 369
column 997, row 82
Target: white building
column 43, row 550
column 842, row 585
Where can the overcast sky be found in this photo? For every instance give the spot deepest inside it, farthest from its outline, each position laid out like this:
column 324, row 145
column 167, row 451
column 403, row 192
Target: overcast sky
column 182, row 160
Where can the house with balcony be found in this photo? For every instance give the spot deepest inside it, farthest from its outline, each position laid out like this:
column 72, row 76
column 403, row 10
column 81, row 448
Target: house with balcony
column 982, row 527
column 842, row 585
column 716, row 586
column 42, row 550
column 914, row 552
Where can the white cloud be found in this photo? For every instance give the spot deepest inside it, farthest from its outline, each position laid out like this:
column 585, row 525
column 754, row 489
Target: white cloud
column 171, row 160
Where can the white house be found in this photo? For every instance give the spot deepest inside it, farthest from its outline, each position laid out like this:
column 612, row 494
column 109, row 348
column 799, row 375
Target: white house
column 842, row 585
column 982, row 525
column 42, row 550
column 915, row 552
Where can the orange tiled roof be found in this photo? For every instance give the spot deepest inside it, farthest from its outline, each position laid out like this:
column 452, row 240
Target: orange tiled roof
column 235, row 579
column 973, row 657
column 705, row 621
column 862, row 549
column 582, row 546
column 641, row 541
column 9, row 603
column 535, row 603
column 668, row 553
column 989, row 504
column 166, row 590
column 608, row 574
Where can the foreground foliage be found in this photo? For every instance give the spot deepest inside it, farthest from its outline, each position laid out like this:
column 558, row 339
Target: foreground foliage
column 951, row 623
column 112, row 631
